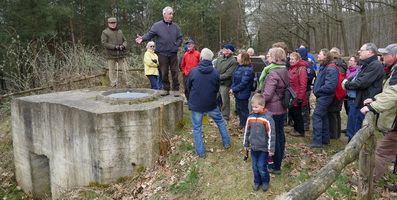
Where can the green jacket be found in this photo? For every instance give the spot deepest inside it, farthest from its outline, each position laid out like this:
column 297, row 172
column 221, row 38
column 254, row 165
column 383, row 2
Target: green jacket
column 226, row 66
column 110, row 38
column 386, row 103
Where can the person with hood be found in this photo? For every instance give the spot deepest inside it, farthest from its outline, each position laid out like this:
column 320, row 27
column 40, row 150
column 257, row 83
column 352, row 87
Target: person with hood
column 275, row 79
column 298, row 82
column 189, row 61
column 311, row 74
column 241, row 86
column 168, row 40
column 203, row 83
column 115, row 44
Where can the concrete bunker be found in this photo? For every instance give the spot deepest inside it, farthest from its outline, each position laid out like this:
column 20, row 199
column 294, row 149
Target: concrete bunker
column 69, row 139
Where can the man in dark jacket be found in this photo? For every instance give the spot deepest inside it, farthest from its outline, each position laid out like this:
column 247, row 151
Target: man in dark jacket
column 115, row 44
column 203, row 84
column 367, row 81
column 168, row 40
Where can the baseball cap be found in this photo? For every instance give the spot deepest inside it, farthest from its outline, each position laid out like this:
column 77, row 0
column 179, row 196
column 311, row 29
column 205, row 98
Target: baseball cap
column 189, row 41
column 390, row 49
column 112, row 20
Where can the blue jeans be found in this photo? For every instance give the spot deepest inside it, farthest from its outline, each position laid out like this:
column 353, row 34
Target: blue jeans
column 280, row 141
column 153, row 81
column 259, row 167
column 159, row 83
column 197, row 127
column 351, row 120
column 320, row 120
column 242, row 109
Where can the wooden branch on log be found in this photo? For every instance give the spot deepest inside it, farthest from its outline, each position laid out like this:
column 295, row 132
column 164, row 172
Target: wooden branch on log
column 315, row 186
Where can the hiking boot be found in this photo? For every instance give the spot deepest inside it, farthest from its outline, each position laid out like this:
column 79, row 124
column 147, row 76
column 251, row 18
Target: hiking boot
column 176, row 94
column 275, row 172
column 227, row 146
column 165, row 93
column 203, row 156
column 314, row 146
column 392, row 188
column 296, row 134
column 265, row 187
column 256, row 187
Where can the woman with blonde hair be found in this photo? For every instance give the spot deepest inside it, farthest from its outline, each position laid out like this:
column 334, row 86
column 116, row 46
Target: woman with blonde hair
column 274, row 81
column 151, row 62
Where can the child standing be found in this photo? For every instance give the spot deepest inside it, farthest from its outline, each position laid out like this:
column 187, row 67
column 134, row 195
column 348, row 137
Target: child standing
column 260, row 136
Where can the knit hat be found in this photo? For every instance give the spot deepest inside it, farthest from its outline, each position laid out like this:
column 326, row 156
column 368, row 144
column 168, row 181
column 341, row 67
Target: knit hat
column 229, row 46
column 112, row 20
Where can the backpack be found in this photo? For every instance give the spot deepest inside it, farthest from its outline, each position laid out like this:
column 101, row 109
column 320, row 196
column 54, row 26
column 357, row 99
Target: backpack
column 289, row 98
column 340, row 93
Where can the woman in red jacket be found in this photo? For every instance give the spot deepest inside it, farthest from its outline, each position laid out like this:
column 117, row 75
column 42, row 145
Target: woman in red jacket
column 298, row 82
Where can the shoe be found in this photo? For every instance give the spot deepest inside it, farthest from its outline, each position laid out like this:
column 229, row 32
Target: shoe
column 392, row 188
column 296, row 134
column 343, row 131
column 176, row 94
column 256, row 187
column 275, row 172
column 203, row 156
column 227, row 146
column 165, row 93
column 314, row 146
column 265, row 187
column 325, row 143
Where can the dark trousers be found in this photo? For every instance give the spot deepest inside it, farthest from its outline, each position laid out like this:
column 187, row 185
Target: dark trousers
column 259, row 167
column 169, row 63
column 280, row 141
column 153, row 81
column 320, row 120
column 334, row 118
column 242, row 110
column 186, row 89
column 296, row 115
column 306, row 111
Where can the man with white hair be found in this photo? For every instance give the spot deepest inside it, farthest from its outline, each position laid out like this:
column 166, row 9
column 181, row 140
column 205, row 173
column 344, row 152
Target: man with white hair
column 385, row 104
column 250, row 51
column 168, row 40
column 203, row 85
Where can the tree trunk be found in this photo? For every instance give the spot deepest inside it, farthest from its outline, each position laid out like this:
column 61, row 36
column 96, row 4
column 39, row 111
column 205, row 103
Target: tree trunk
column 366, row 166
column 314, row 187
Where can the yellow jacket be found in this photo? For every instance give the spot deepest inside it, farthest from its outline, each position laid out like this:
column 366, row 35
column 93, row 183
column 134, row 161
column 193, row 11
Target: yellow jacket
column 151, row 68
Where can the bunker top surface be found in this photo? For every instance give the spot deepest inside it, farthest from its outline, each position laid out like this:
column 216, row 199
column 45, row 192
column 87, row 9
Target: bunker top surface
column 85, row 99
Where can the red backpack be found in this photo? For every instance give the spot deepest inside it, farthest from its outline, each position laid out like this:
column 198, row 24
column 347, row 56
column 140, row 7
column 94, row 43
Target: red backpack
column 339, row 91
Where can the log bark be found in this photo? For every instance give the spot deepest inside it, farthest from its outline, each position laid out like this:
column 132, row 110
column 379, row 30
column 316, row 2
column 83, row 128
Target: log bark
column 315, row 186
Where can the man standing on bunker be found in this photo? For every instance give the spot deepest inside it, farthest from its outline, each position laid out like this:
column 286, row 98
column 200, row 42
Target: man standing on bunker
column 168, row 40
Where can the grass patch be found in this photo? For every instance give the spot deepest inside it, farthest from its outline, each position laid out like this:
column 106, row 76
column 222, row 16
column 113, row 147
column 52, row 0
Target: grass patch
column 187, row 186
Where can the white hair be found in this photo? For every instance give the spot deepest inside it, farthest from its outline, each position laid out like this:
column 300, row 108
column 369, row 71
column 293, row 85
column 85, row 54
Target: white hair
column 166, row 9
column 151, row 43
column 206, row 54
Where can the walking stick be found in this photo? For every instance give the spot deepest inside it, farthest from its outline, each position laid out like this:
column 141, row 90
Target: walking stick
column 117, row 69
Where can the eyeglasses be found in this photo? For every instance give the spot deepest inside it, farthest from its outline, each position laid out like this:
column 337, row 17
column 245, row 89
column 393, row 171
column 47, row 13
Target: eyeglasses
column 363, row 50
column 152, row 46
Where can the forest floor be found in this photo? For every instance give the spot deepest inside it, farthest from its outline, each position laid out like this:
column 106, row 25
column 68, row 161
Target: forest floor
column 221, row 175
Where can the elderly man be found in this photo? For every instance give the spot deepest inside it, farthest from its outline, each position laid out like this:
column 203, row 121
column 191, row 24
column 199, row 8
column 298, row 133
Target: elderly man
column 189, row 61
column 226, row 64
column 115, row 44
column 385, row 104
column 203, row 85
column 367, row 82
column 168, row 40
column 250, row 51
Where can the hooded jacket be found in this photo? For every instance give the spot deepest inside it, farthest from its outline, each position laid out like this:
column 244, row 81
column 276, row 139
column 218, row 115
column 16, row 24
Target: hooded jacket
column 386, row 102
column 241, row 81
column 325, row 83
column 168, row 37
column 203, row 85
column 368, row 82
column 226, row 66
column 260, row 133
column 189, row 61
column 298, row 81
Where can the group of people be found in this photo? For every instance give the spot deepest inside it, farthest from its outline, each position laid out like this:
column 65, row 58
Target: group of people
column 210, row 83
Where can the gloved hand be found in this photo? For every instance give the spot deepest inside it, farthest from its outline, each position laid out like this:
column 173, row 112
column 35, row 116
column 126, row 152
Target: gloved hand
column 300, row 101
column 122, row 47
column 154, row 60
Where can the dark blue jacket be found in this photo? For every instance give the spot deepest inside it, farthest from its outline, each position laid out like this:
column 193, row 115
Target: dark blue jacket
column 241, row 81
column 203, row 85
column 326, row 81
